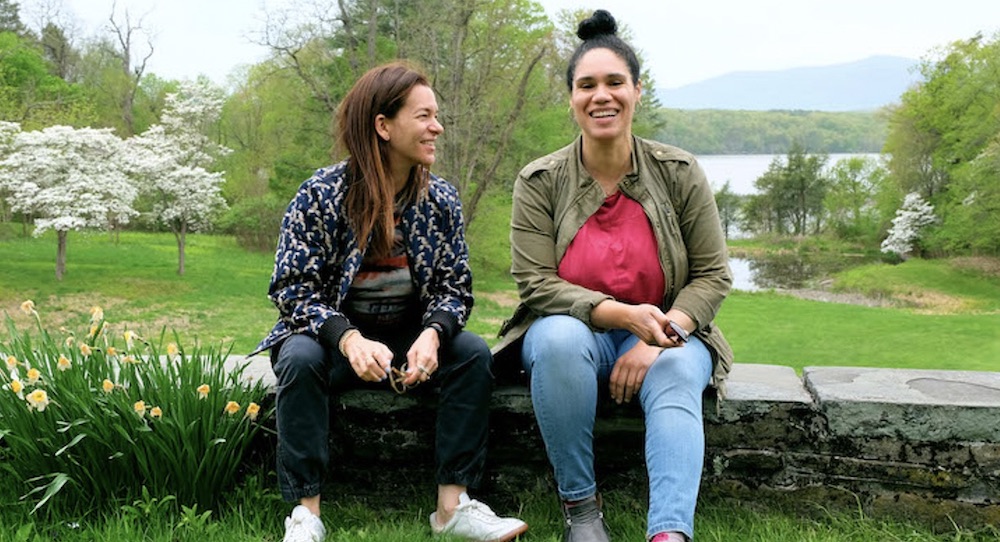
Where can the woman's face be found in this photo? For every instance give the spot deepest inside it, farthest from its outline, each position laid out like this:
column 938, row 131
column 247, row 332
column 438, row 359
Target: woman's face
column 412, row 133
column 604, row 96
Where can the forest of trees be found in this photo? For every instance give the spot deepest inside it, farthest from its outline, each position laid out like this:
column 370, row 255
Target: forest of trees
column 498, row 68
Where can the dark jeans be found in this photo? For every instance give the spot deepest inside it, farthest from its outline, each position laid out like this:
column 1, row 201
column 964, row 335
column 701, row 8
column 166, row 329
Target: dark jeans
column 308, row 374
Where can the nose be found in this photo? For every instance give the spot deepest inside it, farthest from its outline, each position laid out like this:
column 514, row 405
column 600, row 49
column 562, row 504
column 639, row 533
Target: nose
column 601, row 93
column 437, row 127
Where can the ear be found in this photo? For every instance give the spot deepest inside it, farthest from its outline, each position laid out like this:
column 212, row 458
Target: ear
column 638, row 91
column 382, row 126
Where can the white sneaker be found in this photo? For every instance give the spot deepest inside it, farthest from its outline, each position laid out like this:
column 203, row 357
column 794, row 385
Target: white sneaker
column 303, row 526
column 475, row 521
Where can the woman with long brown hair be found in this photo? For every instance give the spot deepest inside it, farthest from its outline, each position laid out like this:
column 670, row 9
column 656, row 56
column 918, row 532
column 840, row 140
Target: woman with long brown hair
column 373, row 287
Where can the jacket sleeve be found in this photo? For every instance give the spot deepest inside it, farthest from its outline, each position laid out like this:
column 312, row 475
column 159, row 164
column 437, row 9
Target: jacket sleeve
column 533, row 252
column 306, row 245
column 709, row 278
column 449, row 290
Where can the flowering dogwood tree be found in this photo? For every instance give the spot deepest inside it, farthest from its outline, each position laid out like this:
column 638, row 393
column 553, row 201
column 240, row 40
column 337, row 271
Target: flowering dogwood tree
column 68, row 179
column 172, row 161
column 911, row 218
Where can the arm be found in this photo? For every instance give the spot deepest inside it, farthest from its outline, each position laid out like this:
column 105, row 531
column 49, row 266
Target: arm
column 533, row 253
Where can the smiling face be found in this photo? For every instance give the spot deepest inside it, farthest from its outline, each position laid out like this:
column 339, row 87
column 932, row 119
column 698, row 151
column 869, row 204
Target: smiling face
column 412, row 133
column 604, row 96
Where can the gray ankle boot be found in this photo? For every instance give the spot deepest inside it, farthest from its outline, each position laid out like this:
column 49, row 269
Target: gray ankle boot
column 585, row 521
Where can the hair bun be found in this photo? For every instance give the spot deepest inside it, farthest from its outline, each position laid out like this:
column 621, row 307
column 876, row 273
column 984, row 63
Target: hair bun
column 598, row 24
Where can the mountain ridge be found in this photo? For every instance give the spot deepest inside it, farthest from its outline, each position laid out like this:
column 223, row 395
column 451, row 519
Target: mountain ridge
column 862, row 85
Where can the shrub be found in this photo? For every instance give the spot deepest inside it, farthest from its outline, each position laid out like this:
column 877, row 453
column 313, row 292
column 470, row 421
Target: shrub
column 255, row 222
column 91, row 422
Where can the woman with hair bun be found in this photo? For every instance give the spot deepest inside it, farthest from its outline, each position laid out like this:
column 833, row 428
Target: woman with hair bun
column 621, row 266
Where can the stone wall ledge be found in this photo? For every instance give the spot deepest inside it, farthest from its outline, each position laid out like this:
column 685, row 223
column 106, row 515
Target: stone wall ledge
column 923, row 444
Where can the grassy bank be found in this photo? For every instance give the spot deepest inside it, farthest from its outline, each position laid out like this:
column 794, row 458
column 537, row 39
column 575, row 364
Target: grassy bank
column 944, row 314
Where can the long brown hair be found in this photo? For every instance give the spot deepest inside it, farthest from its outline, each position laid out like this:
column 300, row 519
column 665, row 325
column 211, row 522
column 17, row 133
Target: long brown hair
column 370, row 193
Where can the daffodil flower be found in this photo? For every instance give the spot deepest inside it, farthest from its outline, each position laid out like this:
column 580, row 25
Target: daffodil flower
column 70, row 341
column 38, row 400
column 253, row 409
column 203, row 391
column 108, row 386
column 111, row 351
column 172, row 350
column 232, row 407
column 96, row 314
column 33, row 376
column 63, row 364
column 130, row 338
column 140, row 408
column 85, row 349
column 12, row 362
column 156, row 412
column 16, row 387
column 129, row 359
column 28, row 307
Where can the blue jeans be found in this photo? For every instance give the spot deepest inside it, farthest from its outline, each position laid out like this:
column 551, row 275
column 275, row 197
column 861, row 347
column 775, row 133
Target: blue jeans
column 567, row 363
column 308, row 374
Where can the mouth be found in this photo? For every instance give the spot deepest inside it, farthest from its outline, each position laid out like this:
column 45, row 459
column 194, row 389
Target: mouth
column 604, row 113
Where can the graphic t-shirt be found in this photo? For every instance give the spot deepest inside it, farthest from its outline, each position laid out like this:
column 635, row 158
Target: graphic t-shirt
column 383, row 293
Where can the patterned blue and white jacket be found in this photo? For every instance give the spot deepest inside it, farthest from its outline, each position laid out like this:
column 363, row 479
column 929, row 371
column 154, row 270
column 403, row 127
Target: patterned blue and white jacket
column 318, row 257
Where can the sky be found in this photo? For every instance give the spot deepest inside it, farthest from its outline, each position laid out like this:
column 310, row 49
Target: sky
column 682, row 42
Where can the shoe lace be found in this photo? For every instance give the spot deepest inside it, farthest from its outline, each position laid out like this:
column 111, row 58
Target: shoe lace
column 480, row 509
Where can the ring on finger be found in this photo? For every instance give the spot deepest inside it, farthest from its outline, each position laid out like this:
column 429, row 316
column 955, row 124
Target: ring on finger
column 424, row 370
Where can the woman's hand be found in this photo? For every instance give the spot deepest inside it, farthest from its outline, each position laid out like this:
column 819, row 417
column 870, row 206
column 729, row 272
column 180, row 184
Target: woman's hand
column 422, row 358
column 371, row 360
column 630, row 370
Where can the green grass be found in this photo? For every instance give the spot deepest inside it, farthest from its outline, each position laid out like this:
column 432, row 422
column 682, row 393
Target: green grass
column 949, row 321
column 222, row 297
column 254, row 513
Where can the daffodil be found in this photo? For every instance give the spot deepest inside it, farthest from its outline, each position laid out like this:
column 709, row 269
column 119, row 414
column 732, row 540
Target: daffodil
column 156, row 412
column 232, row 407
column 12, row 362
column 70, row 341
column 140, row 408
column 130, row 338
column 96, row 314
column 129, row 359
column 93, row 330
column 111, row 351
column 28, row 307
column 203, row 391
column 108, row 386
column 172, row 350
column 63, row 364
column 38, row 400
column 33, row 376
column 16, row 387
column 85, row 349
column 253, row 409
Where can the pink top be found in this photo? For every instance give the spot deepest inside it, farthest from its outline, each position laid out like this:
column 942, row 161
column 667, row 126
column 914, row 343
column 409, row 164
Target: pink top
column 615, row 253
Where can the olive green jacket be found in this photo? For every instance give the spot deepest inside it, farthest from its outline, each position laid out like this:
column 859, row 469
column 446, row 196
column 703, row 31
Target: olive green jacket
column 554, row 196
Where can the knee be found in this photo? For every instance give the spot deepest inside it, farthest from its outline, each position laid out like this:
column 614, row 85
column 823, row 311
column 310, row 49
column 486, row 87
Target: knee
column 559, row 336
column 299, row 356
column 471, row 350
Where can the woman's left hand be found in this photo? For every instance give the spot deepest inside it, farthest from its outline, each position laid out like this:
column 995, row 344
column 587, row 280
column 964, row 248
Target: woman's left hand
column 630, row 370
column 422, row 357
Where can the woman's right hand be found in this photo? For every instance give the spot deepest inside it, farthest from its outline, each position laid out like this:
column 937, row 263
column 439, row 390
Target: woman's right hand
column 645, row 321
column 371, row 360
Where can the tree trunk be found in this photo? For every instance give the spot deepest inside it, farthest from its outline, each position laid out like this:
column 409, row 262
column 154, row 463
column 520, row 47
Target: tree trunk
column 61, row 254
column 180, row 234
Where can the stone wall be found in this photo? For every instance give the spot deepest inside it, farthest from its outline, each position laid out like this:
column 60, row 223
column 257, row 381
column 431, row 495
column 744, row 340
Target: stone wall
column 907, row 443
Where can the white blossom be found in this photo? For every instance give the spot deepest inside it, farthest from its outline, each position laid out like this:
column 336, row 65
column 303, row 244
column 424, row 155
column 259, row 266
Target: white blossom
column 67, row 178
column 914, row 215
column 172, row 159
